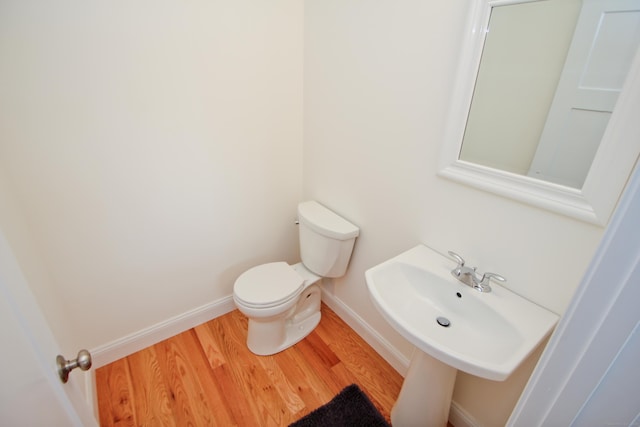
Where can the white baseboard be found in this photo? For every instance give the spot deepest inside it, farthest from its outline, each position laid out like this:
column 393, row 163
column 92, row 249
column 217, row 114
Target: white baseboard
column 105, row 354
column 457, row 415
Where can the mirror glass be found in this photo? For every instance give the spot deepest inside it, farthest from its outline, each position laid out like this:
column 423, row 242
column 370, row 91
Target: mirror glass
column 549, row 77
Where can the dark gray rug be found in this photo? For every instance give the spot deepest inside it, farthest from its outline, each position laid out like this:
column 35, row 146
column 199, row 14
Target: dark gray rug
column 350, row 408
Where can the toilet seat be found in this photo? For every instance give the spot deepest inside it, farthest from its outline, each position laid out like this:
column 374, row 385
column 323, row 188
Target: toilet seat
column 268, row 285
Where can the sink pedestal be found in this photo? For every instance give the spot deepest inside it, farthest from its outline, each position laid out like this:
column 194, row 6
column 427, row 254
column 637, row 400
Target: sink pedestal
column 426, row 392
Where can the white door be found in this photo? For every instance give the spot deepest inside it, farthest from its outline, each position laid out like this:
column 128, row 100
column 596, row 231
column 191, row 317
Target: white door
column 588, row 375
column 31, row 394
column 604, row 44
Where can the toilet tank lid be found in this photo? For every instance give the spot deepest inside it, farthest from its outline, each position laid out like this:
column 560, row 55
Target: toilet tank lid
column 326, row 222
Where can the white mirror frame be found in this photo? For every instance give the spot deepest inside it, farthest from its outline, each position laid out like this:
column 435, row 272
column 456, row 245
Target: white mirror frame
column 611, row 167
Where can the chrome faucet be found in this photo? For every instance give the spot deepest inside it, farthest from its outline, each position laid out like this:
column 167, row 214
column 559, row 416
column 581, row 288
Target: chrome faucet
column 469, row 276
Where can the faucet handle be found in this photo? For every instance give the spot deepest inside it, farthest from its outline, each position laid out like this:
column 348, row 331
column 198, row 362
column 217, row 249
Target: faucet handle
column 458, row 258
column 486, row 277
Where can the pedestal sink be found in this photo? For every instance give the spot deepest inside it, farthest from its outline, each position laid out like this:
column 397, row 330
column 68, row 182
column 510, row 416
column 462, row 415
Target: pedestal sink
column 453, row 327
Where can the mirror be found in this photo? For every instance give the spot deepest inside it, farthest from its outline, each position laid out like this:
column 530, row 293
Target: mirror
column 534, row 116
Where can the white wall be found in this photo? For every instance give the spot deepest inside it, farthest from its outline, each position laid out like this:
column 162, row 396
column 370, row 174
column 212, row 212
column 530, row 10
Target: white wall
column 153, row 150
column 378, row 81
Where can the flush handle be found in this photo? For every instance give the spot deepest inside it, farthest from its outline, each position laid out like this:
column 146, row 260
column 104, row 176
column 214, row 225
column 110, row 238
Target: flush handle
column 83, row 361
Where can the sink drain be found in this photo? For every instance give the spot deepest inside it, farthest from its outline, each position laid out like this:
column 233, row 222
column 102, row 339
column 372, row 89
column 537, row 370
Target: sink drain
column 443, row 321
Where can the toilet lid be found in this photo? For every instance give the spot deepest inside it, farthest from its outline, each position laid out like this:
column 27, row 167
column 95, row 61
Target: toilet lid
column 268, row 284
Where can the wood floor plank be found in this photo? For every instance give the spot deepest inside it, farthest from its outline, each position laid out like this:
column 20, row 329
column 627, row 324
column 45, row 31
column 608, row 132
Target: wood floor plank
column 210, row 345
column 321, row 349
column 308, row 385
column 179, row 399
column 315, row 357
column 208, row 376
column 283, row 386
column 226, row 376
column 233, row 396
column 262, row 396
column 151, row 401
column 198, row 376
column 115, row 383
column 368, row 367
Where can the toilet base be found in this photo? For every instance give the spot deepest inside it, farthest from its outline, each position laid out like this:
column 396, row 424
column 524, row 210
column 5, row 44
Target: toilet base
column 270, row 336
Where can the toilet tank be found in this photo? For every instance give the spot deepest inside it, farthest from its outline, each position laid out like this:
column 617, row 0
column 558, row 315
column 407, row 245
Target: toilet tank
column 326, row 240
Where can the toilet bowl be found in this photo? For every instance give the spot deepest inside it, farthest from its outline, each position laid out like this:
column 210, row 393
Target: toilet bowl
column 282, row 301
column 281, row 318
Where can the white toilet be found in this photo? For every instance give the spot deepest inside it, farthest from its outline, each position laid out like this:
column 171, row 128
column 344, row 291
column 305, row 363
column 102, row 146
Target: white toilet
column 282, row 301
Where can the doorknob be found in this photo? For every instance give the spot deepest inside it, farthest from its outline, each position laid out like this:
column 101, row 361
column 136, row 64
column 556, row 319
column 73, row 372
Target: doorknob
column 83, row 361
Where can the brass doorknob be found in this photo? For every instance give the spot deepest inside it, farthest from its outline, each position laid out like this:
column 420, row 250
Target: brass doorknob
column 83, row 361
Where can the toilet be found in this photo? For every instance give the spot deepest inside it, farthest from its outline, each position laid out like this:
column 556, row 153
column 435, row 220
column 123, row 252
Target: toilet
column 282, row 301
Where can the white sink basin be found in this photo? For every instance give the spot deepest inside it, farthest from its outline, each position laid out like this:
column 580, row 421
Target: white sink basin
column 489, row 334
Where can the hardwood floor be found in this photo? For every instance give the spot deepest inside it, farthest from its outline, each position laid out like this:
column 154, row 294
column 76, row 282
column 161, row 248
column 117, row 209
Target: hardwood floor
column 206, row 376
